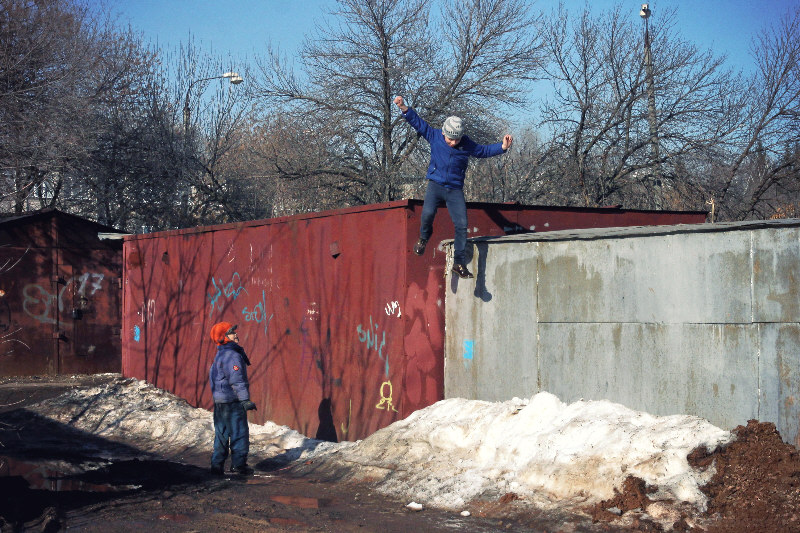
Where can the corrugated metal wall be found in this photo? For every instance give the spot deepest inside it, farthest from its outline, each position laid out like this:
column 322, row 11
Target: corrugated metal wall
column 344, row 325
column 701, row 320
column 59, row 296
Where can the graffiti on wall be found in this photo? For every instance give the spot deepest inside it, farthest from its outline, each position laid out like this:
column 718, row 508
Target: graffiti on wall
column 230, row 291
column 258, row 313
column 8, row 342
column 349, row 414
column 148, row 313
column 8, row 265
column 222, row 293
column 386, row 397
column 393, row 309
column 42, row 305
column 374, row 341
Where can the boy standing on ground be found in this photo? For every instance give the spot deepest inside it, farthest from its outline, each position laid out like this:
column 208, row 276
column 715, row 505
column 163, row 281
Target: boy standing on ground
column 231, row 391
column 450, row 153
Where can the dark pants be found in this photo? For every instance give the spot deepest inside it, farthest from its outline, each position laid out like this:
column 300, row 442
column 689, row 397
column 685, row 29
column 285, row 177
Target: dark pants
column 437, row 195
column 230, row 432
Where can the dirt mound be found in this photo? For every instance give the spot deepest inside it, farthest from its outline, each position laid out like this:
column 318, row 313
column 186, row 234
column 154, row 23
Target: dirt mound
column 757, row 484
column 756, row 488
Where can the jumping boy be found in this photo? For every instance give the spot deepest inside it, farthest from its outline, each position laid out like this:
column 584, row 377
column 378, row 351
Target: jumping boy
column 450, row 153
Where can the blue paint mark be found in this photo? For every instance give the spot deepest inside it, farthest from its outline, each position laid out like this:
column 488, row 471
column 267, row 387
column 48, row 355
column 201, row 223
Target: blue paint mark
column 468, row 349
column 136, row 333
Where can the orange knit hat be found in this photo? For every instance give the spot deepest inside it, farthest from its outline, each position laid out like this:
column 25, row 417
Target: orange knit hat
column 220, row 331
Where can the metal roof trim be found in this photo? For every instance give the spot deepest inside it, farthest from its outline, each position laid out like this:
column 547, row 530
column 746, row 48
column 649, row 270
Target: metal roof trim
column 636, row 231
column 384, row 206
column 53, row 212
column 277, row 220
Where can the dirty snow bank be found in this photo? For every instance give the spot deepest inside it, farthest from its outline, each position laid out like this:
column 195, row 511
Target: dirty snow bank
column 136, row 410
column 548, row 452
column 541, row 449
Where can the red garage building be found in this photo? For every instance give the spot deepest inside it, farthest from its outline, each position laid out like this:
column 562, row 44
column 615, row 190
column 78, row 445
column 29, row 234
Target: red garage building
column 59, row 295
column 344, row 325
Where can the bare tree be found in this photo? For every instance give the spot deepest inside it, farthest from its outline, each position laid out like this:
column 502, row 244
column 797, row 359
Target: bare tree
column 761, row 176
column 516, row 177
column 53, row 69
column 475, row 55
column 601, row 148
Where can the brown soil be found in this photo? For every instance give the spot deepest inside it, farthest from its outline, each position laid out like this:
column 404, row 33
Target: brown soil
column 757, row 484
column 756, row 488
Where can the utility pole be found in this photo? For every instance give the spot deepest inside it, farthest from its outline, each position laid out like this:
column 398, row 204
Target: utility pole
column 655, row 158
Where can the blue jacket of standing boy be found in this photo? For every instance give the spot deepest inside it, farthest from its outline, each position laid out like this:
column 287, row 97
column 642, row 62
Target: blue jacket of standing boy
column 228, row 374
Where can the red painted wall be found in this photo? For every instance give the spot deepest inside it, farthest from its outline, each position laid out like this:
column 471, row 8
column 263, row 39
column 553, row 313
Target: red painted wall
column 344, row 325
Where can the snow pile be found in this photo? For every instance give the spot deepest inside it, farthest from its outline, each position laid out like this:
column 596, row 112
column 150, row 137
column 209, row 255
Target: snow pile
column 136, row 410
column 543, row 450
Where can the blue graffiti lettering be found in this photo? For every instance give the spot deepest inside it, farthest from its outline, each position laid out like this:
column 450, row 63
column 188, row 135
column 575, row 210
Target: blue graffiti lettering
column 370, row 337
column 259, row 313
column 230, row 290
column 136, row 333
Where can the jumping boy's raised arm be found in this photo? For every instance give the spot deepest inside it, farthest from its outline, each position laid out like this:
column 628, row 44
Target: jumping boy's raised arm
column 415, row 120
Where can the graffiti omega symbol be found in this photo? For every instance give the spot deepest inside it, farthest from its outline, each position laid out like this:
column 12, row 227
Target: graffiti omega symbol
column 229, row 290
column 386, row 399
column 370, row 337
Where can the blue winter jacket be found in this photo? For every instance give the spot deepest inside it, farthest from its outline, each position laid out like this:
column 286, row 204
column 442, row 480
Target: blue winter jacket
column 228, row 374
column 448, row 165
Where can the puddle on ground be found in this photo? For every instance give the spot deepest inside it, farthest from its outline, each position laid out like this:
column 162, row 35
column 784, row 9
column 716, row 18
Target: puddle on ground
column 302, row 502
column 44, row 476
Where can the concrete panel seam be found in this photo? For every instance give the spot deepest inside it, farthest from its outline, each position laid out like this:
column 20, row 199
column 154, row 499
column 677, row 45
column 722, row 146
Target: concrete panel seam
column 752, row 320
column 538, row 331
column 752, row 277
column 758, row 372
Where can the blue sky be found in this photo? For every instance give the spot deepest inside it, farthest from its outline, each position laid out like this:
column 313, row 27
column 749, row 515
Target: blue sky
column 242, row 28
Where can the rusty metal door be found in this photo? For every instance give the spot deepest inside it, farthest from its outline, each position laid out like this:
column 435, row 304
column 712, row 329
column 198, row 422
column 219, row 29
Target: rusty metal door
column 89, row 309
column 27, row 312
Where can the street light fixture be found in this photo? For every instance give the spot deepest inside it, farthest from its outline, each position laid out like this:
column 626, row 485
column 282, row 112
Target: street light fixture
column 651, row 110
column 234, row 78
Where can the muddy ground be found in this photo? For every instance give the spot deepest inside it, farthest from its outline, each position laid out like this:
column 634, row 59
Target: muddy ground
column 55, row 478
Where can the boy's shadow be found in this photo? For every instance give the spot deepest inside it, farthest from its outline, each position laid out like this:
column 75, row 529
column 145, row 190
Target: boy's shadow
column 480, row 273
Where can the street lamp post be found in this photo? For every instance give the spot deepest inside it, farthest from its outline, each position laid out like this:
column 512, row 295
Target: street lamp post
column 651, row 111
column 187, row 112
column 235, row 79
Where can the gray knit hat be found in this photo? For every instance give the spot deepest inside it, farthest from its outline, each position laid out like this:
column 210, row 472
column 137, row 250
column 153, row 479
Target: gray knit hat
column 453, row 128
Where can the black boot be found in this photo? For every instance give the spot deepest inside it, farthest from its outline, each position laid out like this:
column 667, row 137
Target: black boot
column 243, row 470
column 419, row 248
column 462, row 271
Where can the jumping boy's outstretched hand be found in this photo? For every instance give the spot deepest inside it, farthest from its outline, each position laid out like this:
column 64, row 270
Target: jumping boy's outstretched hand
column 507, row 141
column 400, row 103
